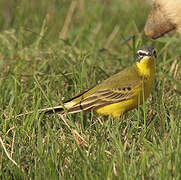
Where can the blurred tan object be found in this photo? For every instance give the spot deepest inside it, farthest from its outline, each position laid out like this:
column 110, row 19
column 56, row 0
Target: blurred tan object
column 164, row 17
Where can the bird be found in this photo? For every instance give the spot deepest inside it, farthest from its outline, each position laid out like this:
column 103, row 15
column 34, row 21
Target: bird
column 119, row 93
column 164, row 17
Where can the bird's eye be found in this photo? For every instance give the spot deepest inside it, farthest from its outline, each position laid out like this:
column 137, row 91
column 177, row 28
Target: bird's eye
column 154, row 53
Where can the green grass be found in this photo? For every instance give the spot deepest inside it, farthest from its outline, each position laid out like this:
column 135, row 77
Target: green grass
column 52, row 50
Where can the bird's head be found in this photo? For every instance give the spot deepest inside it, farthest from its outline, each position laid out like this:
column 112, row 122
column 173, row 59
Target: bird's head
column 145, row 57
column 145, row 52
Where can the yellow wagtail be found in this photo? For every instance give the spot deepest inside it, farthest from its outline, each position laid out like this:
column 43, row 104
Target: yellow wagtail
column 118, row 94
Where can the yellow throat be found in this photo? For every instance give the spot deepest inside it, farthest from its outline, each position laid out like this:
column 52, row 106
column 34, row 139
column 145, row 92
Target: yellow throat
column 146, row 69
column 146, row 66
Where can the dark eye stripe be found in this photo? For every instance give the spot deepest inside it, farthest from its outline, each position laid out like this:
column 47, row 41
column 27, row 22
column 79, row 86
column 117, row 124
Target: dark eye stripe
column 142, row 54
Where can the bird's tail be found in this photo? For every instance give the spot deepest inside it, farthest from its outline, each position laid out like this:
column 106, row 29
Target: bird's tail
column 66, row 105
column 49, row 110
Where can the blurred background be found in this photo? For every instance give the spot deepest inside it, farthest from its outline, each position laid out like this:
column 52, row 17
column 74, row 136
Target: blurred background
column 74, row 21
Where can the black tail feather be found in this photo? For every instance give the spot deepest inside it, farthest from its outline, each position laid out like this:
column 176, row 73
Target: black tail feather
column 50, row 110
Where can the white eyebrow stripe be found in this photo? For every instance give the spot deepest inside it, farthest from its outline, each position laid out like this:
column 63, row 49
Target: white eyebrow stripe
column 143, row 52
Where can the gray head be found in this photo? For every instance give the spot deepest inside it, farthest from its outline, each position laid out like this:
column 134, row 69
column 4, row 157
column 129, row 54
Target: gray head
column 145, row 51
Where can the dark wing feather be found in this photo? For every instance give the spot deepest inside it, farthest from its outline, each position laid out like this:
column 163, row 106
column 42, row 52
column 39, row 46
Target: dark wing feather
column 102, row 97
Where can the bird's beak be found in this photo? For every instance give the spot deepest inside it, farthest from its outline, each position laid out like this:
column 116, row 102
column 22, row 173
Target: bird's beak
column 157, row 23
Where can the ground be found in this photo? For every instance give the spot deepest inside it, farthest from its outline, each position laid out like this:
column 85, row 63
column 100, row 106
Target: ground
column 52, row 50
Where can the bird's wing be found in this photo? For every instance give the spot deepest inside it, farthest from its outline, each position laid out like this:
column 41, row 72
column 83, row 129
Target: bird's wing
column 103, row 97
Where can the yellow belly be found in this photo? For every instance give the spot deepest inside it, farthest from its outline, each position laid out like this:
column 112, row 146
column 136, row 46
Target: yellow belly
column 118, row 109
